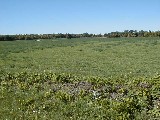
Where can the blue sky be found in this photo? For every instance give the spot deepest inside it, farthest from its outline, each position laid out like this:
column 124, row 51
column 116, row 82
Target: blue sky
column 78, row 16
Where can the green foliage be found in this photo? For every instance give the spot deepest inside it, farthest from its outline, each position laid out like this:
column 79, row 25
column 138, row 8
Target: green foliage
column 43, row 96
column 80, row 79
column 38, row 37
column 84, row 57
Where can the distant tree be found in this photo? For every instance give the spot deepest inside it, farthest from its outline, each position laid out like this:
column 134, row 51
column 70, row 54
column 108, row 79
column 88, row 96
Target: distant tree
column 85, row 35
column 68, row 36
column 8, row 38
column 105, row 35
column 1, row 38
column 99, row 35
column 141, row 33
column 60, row 35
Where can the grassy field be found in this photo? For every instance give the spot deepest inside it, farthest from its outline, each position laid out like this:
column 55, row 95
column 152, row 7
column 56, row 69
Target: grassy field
column 87, row 57
column 79, row 79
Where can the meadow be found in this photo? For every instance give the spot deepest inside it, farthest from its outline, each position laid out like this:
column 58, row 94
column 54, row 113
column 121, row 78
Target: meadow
column 82, row 78
column 87, row 57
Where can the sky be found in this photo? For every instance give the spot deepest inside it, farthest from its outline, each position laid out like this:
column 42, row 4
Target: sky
column 78, row 16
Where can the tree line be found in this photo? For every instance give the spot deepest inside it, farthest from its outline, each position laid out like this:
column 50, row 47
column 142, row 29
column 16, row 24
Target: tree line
column 125, row 33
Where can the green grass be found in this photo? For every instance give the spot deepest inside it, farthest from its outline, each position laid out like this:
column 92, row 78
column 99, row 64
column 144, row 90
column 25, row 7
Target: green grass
column 86, row 57
column 79, row 79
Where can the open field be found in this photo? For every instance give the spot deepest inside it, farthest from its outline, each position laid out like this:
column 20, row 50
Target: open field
column 87, row 57
column 79, row 79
